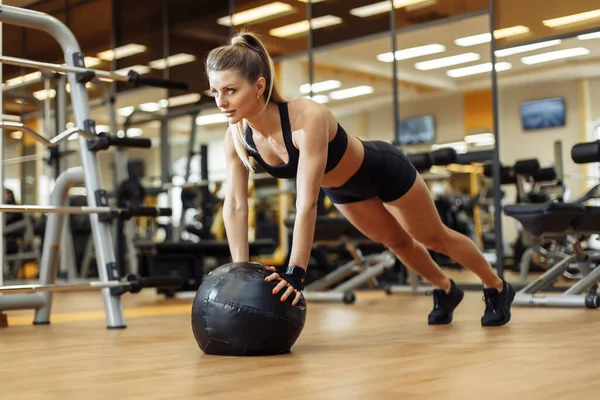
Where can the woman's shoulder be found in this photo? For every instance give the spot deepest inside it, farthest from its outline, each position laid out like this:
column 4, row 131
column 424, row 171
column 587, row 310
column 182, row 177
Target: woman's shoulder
column 302, row 107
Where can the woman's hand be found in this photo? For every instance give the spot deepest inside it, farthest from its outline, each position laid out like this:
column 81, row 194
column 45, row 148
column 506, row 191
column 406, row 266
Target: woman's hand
column 283, row 284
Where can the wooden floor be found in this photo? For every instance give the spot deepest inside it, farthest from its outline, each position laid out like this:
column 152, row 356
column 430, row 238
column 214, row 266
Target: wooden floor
column 379, row 348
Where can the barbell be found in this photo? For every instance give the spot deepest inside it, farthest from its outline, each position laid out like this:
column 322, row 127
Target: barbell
column 133, row 284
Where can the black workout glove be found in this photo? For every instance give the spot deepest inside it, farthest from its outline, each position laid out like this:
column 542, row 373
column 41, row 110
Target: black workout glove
column 294, row 276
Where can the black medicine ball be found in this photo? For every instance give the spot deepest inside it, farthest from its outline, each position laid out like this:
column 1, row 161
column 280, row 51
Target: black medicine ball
column 235, row 313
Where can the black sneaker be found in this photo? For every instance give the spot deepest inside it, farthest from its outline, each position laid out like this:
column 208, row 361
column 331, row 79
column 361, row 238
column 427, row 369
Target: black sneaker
column 497, row 305
column 444, row 304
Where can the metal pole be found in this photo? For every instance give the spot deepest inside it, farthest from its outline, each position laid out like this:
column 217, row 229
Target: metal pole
column 22, row 62
column 9, row 208
column 79, row 99
column 496, row 158
column 1, row 176
column 396, row 138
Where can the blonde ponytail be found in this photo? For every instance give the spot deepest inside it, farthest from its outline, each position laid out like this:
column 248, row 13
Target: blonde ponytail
column 248, row 55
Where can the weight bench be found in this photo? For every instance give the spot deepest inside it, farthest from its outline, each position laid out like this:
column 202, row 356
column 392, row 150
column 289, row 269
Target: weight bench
column 559, row 220
column 336, row 232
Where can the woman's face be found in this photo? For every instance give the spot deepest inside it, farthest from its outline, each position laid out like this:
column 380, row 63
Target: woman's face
column 235, row 96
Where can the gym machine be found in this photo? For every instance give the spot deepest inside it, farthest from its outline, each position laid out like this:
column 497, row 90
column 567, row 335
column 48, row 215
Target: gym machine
column 90, row 143
column 575, row 221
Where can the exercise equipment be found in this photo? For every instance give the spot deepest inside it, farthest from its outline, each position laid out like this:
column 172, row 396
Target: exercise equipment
column 235, row 313
column 90, row 143
column 133, row 284
column 574, row 220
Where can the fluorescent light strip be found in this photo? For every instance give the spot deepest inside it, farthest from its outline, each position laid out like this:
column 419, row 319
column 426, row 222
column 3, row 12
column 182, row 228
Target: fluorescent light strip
column 255, row 14
column 172, row 61
column 183, row 99
column 447, row 61
column 412, row 52
column 478, row 69
column 487, row 37
column 320, row 86
column 572, row 19
column 122, row 52
column 351, row 92
column 43, row 94
column 555, row 55
column 150, row 107
column 211, row 119
column 527, row 47
column 303, row 26
column 589, row 36
column 140, row 69
column 24, row 78
column 312, row 1
column 126, row 111
column 383, row 7
column 91, row 62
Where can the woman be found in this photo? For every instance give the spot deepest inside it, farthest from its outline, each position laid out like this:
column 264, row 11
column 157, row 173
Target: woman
column 370, row 182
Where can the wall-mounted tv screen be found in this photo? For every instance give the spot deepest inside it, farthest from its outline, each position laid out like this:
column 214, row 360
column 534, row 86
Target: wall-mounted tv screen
column 417, row 130
column 543, row 113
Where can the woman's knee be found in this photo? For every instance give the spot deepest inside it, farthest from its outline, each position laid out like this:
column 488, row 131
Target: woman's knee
column 438, row 241
column 401, row 245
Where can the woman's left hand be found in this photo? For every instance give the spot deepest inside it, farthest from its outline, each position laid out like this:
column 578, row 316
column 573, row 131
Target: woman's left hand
column 283, row 284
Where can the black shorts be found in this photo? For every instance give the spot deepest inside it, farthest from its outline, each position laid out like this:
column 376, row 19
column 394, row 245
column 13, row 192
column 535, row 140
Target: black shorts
column 385, row 173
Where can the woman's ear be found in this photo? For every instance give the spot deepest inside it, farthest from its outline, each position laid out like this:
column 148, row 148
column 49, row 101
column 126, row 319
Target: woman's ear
column 261, row 86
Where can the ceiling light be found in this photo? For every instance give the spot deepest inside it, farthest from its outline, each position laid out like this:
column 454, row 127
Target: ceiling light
column 183, row 99
column 320, row 86
column 312, row 1
column 487, row 37
column 588, row 36
column 24, row 78
column 255, row 14
column 17, row 135
column 125, row 111
column 383, row 7
column 478, row 69
column 140, row 69
column 133, row 132
column 211, row 119
column 320, row 98
column 303, row 26
column 527, row 47
column 350, row 92
column 572, row 19
column 12, row 118
column 555, row 55
column 172, row 61
column 447, row 61
column 150, row 107
column 91, row 62
column 121, row 52
column 412, row 52
column 43, row 94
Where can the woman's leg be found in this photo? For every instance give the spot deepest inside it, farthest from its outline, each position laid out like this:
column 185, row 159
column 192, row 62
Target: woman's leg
column 375, row 221
column 417, row 213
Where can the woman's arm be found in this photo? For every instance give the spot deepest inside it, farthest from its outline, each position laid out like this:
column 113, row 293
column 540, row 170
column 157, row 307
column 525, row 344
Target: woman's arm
column 312, row 142
column 235, row 204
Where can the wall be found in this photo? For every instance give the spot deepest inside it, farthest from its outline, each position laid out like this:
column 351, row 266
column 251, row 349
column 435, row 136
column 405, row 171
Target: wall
column 514, row 142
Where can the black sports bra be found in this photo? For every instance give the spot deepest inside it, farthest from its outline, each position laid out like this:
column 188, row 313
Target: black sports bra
column 335, row 150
